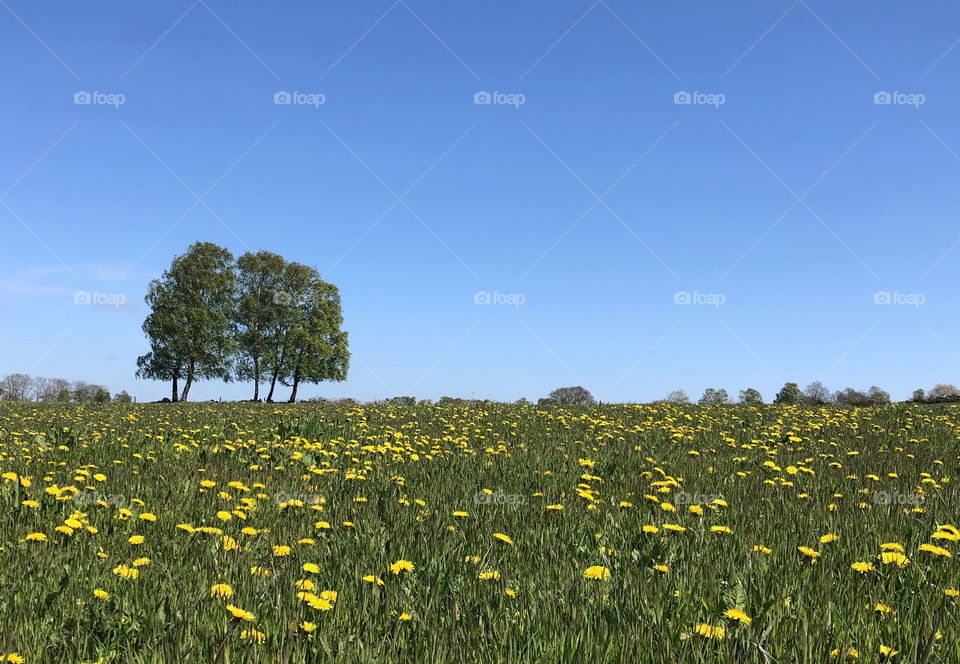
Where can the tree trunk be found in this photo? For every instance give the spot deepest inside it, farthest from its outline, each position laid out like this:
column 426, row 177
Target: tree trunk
column 186, row 389
column 296, row 383
column 278, row 365
column 256, row 379
column 186, row 385
column 273, row 385
column 174, row 397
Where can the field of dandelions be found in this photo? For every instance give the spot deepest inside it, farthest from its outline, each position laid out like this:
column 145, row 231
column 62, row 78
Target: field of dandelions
column 478, row 533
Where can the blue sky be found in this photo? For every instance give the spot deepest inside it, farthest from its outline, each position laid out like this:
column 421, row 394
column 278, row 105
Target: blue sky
column 780, row 226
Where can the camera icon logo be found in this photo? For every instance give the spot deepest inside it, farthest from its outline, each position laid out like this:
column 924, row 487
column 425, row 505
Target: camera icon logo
column 682, row 97
column 282, row 97
column 82, row 97
column 481, row 297
column 82, row 297
column 681, row 297
column 882, row 97
column 482, row 97
column 881, row 297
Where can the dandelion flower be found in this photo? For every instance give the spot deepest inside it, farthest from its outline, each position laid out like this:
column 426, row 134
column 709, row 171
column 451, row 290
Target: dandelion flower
column 808, row 552
column 401, row 566
column 894, row 557
column 221, row 590
column 737, row 614
column 126, row 572
column 240, row 614
column 936, row 550
column 597, row 572
column 252, row 635
column 709, row 631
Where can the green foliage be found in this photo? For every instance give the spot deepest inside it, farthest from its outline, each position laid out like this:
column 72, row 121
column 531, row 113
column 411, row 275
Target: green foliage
column 190, row 326
column 751, row 397
column 712, row 397
column 393, row 482
column 261, row 318
column 789, row 395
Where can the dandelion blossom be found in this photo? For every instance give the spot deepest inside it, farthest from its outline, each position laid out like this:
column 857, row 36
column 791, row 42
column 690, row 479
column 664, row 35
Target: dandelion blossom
column 597, row 572
column 240, row 614
column 401, row 566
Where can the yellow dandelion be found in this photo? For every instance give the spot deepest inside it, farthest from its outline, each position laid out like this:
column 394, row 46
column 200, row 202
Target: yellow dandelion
column 597, row 572
column 738, row 615
column 401, row 566
column 240, row 614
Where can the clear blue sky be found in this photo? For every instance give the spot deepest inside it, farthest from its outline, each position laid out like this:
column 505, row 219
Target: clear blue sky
column 597, row 199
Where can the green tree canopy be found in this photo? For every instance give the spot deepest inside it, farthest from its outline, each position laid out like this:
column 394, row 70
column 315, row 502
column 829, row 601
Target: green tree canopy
column 191, row 322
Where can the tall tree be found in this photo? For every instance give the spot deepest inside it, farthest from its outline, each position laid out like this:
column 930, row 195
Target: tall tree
column 259, row 306
column 316, row 345
column 789, row 394
column 191, row 320
column 295, row 284
column 751, row 397
column 712, row 397
column 572, row 396
column 816, row 394
column 677, row 397
column 15, row 387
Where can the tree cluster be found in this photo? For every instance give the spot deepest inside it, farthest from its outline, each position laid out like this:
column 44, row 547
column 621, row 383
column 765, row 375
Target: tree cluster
column 22, row 387
column 568, row 396
column 941, row 393
column 814, row 394
column 258, row 318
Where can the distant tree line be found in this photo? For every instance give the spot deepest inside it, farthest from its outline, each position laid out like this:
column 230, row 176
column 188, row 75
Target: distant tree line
column 816, row 394
column 21, row 387
column 258, row 318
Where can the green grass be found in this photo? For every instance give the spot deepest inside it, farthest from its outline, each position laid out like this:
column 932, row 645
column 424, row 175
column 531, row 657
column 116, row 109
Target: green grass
column 787, row 477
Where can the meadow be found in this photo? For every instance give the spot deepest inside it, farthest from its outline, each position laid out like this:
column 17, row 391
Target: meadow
column 478, row 533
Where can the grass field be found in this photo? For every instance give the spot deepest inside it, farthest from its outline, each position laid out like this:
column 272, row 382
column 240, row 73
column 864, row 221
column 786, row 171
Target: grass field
column 497, row 533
